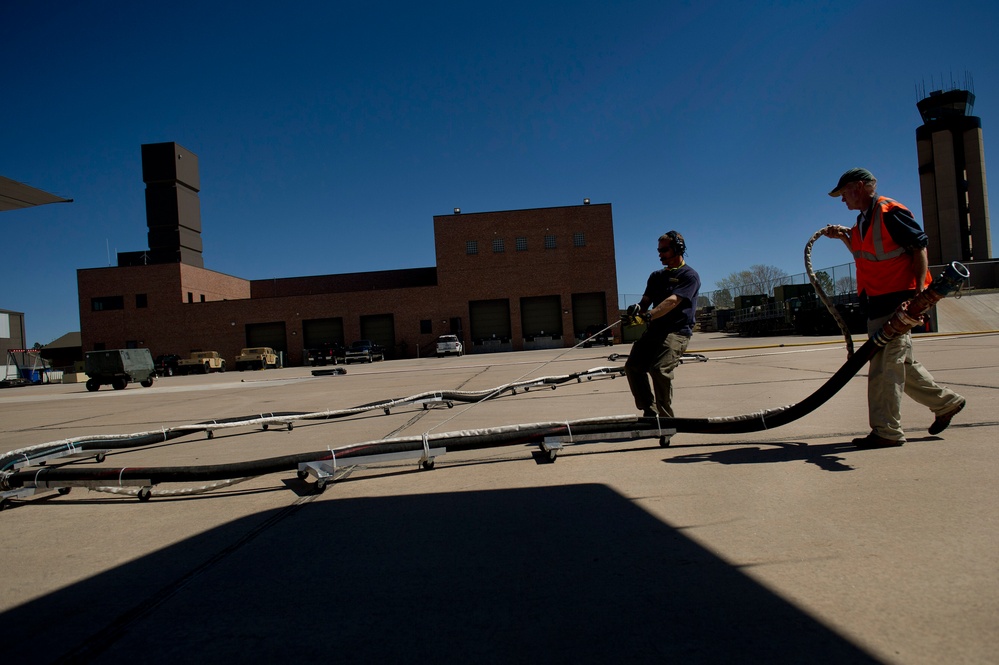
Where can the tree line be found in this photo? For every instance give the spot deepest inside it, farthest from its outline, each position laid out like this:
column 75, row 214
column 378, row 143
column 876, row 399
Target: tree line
column 761, row 280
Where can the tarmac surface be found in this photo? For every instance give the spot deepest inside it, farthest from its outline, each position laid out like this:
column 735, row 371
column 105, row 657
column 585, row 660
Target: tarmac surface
column 788, row 545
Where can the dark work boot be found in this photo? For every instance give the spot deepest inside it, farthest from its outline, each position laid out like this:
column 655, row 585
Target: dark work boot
column 941, row 421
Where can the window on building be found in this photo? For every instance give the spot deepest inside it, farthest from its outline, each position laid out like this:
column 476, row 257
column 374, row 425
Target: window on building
column 498, row 246
column 190, row 297
column 426, row 326
column 107, row 303
column 141, row 301
column 202, row 297
column 521, row 244
column 578, row 240
column 131, row 344
column 100, row 346
column 472, row 247
column 549, row 242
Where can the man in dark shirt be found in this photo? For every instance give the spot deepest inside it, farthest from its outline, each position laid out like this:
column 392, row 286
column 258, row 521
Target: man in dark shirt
column 892, row 267
column 668, row 307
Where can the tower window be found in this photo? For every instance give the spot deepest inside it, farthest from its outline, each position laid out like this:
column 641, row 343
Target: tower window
column 107, row 303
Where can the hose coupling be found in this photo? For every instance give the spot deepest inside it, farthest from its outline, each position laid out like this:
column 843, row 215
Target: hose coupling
column 910, row 313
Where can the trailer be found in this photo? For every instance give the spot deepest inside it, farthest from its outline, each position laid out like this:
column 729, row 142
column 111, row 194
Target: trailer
column 119, row 367
column 16, row 371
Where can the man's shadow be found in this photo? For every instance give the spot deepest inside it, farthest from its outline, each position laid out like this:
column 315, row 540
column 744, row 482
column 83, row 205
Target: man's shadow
column 828, row 456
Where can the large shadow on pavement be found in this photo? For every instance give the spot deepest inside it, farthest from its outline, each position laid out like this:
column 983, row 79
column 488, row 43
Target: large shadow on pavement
column 573, row 574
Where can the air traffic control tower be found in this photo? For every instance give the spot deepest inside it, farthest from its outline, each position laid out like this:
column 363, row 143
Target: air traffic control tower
column 952, row 178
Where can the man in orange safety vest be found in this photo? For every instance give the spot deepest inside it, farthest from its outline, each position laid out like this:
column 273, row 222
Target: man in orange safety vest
column 889, row 248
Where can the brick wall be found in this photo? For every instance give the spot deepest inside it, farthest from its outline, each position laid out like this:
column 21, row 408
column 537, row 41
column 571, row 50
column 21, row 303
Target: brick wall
column 171, row 324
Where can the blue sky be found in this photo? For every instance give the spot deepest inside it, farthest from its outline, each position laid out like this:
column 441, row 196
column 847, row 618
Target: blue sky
column 335, row 131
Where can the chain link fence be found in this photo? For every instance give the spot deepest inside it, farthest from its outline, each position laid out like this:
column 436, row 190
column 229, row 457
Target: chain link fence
column 835, row 281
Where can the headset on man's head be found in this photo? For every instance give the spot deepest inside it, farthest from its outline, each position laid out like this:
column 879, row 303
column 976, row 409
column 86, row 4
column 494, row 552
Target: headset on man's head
column 676, row 241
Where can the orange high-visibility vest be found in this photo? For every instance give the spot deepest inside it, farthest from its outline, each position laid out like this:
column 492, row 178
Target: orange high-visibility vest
column 883, row 266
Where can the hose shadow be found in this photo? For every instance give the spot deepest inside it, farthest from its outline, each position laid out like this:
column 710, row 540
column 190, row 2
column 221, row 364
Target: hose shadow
column 566, row 574
column 828, row 457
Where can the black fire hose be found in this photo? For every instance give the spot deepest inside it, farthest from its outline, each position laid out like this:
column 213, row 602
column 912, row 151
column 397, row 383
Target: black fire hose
column 907, row 316
column 38, row 454
column 820, row 292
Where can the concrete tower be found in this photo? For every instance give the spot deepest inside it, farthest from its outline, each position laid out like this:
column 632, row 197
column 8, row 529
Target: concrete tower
column 952, row 178
column 173, row 210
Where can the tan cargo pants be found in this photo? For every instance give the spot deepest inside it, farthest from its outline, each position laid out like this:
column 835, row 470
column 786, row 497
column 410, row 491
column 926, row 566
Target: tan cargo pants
column 892, row 372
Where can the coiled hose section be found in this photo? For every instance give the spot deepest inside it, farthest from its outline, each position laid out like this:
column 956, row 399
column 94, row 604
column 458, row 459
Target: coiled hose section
column 830, row 305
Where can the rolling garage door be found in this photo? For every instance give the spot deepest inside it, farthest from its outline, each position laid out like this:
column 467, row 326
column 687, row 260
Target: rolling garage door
column 320, row 332
column 380, row 329
column 489, row 319
column 541, row 316
column 267, row 334
column 588, row 309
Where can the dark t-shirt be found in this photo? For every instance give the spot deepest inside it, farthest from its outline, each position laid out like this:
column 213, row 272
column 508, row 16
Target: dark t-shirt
column 683, row 282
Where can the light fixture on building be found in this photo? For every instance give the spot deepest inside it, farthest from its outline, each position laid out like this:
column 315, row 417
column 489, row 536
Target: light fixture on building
column 457, row 211
column 586, row 202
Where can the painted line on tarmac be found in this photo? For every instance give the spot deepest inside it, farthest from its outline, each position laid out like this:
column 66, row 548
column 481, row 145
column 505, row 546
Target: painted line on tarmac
column 152, row 391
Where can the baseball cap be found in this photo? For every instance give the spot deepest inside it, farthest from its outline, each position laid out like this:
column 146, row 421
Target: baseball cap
column 853, row 175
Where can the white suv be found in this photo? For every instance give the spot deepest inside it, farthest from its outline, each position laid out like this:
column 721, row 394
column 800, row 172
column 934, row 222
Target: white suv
column 447, row 344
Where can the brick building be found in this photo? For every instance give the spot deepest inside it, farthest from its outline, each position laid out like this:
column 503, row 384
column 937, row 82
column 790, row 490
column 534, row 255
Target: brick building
column 510, row 280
